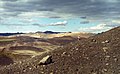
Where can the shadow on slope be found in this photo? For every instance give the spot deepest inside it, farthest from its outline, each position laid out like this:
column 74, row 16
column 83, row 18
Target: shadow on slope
column 5, row 60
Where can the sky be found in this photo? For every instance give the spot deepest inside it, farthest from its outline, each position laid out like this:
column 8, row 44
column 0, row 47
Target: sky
column 93, row 16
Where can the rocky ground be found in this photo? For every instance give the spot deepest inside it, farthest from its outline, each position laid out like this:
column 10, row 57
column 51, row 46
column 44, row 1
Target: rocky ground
column 99, row 54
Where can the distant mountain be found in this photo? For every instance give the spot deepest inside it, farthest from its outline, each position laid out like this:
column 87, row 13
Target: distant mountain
column 46, row 32
column 9, row 34
column 50, row 32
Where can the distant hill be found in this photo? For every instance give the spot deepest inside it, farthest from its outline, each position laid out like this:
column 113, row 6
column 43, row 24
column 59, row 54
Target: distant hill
column 51, row 32
column 9, row 34
column 46, row 32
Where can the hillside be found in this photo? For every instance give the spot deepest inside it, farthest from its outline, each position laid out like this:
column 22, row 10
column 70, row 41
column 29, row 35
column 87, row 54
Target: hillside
column 53, row 35
column 18, row 48
column 99, row 54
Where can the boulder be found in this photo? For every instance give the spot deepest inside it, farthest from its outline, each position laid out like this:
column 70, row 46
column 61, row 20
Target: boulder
column 46, row 60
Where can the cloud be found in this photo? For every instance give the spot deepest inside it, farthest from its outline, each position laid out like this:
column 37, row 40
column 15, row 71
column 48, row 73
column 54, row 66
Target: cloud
column 90, row 8
column 58, row 23
column 94, row 10
column 64, row 23
column 28, row 20
column 116, row 21
column 99, row 28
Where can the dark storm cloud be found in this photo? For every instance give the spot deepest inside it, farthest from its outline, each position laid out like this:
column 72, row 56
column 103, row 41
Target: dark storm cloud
column 100, row 9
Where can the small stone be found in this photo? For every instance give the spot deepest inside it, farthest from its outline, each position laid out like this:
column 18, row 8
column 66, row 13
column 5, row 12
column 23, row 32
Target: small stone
column 87, row 57
column 30, row 68
column 20, row 62
column 103, row 42
column 77, row 49
column 107, row 64
column 105, row 49
column 107, row 41
column 24, row 70
column 94, row 73
column 18, row 72
column 43, row 66
column 93, row 40
column 42, row 72
column 115, row 59
column 114, row 56
column 64, row 53
column 107, row 56
column 105, row 70
column 68, row 55
column 51, row 73
column 26, row 66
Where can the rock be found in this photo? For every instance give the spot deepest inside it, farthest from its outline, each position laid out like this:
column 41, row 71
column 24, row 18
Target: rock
column 51, row 73
column 115, row 59
column 93, row 40
column 46, row 60
column 24, row 70
column 105, row 70
column 107, row 56
column 106, row 41
column 42, row 72
column 107, row 64
column 103, row 42
column 64, row 53
column 94, row 73
column 30, row 68
column 77, row 49
column 105, row 49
